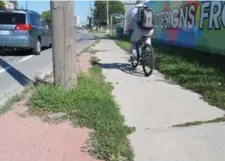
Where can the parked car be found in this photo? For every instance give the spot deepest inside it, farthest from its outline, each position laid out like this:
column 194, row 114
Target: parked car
column 23, row 29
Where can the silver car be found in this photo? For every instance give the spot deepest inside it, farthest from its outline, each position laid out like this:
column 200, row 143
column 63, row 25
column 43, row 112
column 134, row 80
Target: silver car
column 23, row 29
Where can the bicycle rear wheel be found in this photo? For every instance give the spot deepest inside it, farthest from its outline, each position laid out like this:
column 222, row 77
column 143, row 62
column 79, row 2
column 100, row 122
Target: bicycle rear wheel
column 147, row 59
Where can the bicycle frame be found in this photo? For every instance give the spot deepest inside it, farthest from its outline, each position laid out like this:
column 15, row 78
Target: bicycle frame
column 140, row 44
column 143, row 56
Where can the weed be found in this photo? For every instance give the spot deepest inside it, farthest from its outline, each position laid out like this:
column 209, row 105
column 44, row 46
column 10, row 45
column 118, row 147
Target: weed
column 94, row 60
column 219, row 119
column 201, row 72
column 91, row 105
column 12, row 100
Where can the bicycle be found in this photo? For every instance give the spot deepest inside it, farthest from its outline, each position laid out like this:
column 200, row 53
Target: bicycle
column 145, row 56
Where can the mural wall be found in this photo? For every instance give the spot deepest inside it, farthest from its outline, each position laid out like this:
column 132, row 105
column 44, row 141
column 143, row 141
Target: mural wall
column 194, row 24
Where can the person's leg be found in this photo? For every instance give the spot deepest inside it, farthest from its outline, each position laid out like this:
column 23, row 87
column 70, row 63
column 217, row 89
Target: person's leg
column 135, row 37
column 148, row 40
column 149, row 34
column 133, row 50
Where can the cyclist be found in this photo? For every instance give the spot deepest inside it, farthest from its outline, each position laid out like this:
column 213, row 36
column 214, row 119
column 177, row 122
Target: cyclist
column 134, row 29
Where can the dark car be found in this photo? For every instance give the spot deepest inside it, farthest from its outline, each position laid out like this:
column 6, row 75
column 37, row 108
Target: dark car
column 23, row 29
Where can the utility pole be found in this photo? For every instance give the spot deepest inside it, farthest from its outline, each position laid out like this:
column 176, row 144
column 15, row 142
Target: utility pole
column 64, row 54
column 92, row 18
column 107, row 15
column 111, row 24
column 26, row 5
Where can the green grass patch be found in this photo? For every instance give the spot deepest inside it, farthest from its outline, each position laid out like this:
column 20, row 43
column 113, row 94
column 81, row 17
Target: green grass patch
column 203, row 73
column 122, row 42
column 90, row 47
column 91, row 105
column 195, row 123
column 94, row 60
column 9, row 103
column 97, row 31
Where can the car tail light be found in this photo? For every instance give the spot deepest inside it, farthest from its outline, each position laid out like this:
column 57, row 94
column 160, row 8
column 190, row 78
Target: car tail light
column 23, row 27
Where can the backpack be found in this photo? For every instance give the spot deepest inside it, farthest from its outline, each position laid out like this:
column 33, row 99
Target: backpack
column 145, row 18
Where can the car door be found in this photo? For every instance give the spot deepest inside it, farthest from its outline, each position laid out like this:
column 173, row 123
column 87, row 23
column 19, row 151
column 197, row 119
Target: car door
column 36, row 28
column 44, row 33
column 47, row 33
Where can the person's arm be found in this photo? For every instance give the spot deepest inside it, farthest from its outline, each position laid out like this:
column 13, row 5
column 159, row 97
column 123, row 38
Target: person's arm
column 128, row 20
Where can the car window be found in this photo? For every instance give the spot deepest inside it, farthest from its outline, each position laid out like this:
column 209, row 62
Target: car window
column 12, row 18
column 44, row 24
column 35, row 19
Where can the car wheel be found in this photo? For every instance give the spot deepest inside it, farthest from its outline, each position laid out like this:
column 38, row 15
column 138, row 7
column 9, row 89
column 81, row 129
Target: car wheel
column 37, row 49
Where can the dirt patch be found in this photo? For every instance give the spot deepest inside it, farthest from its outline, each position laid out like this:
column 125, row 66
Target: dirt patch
column 83, row 62
column 83, row 65
column 27, row 137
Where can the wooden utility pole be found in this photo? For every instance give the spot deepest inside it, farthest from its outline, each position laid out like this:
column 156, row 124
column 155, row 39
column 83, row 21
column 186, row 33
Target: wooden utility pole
column 92, row 15
column 63, row 46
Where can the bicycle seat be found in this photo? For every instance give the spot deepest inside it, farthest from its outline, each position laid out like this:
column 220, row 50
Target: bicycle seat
column 147, row 35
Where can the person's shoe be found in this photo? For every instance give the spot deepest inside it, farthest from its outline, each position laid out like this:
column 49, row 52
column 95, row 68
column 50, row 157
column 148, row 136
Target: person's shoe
column 134, row 55
column 131, row 58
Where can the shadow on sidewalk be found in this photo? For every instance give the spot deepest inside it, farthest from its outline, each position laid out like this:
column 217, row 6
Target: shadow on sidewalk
column 124, row 67
column 191, row 55
column 17, row 75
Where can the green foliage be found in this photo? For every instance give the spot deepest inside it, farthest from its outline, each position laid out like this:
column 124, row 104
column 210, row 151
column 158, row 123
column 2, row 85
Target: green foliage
column 201, row 72
column 15, row 4
column 195, row 123
column 90, row 104
column 46, row 15
column 2, row 4
column 115, row 7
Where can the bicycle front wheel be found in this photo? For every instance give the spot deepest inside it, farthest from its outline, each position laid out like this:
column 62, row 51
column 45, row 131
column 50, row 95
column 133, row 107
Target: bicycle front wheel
column 147, row 59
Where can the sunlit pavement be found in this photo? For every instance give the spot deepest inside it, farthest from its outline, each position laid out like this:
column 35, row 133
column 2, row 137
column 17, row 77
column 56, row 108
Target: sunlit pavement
column 17, row 71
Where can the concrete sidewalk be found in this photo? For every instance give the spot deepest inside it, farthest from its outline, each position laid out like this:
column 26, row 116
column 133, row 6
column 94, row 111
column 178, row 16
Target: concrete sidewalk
column 153, row 105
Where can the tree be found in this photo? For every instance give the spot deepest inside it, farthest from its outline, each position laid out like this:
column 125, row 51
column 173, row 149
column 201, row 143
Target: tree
column 15, row 4
column 2, row 4
column 115, row 7
column 99, row 12
column 89, row 22
column 46, row 15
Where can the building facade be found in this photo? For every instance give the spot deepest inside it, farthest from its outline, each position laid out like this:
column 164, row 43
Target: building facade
column 77, row 21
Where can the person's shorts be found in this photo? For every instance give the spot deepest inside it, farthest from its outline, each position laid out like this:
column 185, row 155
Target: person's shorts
column 138, row 33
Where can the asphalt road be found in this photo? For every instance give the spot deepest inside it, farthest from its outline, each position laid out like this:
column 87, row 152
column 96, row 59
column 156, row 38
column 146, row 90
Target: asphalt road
column 18, row 70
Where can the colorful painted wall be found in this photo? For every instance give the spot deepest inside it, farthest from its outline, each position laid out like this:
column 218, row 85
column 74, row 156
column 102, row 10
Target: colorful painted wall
column 194, row 24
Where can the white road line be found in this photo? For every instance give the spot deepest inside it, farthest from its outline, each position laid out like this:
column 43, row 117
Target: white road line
column 20, row 61
column 25, row 58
